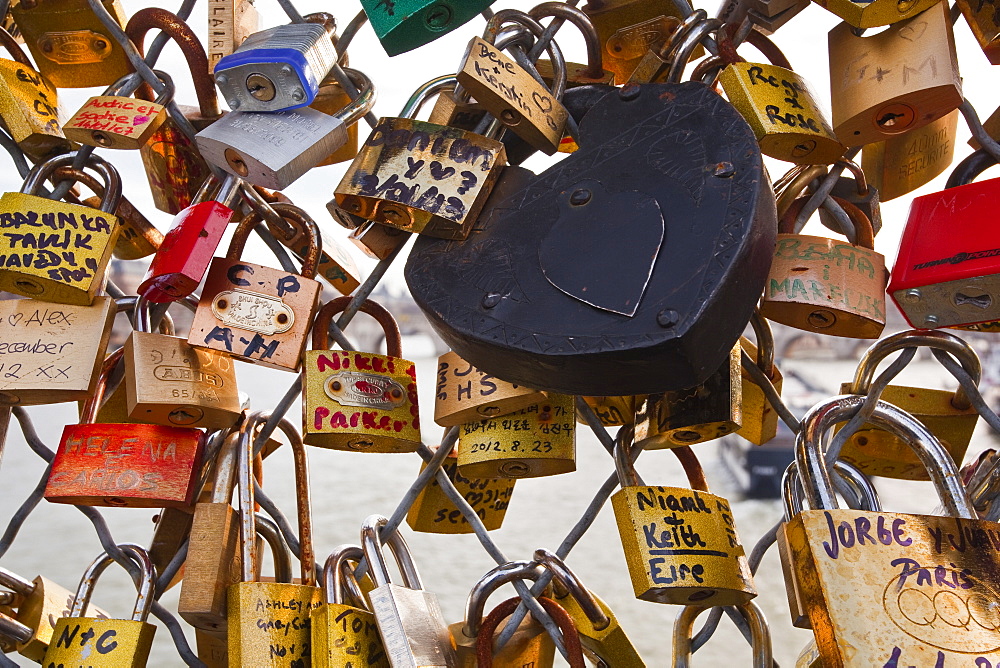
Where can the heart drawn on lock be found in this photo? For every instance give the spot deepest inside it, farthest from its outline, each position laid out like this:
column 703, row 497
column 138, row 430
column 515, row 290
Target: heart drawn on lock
column 913, row 30
column 140, row 120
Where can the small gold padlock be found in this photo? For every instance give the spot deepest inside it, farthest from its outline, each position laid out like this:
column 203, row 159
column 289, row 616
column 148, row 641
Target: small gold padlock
column 466, row 394
column 377, row 241
column 627, row 29
column 539, row 440
column 358, row 401
column 117, row 121
column 613, row 411
column 760, row 420
column 901, row 164
column 695, row 414
column 330, row 99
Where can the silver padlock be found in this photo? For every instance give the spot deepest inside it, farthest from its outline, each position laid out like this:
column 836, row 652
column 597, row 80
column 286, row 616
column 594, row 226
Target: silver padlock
column 409, row 619
column 272, row 150
column 278, row 68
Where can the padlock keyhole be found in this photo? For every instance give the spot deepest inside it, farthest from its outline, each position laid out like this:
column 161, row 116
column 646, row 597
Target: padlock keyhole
column 983, row 300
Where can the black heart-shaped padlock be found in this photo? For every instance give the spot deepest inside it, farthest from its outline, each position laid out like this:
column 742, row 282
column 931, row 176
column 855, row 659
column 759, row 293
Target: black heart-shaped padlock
column 630, row 267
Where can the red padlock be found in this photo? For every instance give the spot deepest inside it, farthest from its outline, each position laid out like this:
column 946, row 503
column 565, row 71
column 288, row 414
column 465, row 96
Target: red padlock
column 133, row 465
column 189, row 246
column 947, row 271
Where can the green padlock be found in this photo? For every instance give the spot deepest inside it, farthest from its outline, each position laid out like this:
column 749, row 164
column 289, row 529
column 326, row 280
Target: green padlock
column 403, row 25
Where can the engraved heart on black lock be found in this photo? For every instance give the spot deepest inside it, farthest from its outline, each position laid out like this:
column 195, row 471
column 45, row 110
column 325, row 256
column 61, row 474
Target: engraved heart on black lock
column 629, row 267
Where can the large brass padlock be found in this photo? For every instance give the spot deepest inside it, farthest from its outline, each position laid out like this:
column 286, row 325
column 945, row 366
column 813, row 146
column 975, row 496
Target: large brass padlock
column 80, row 239
column 529, row 646
column 344, row 633
column 433, row 511
column 697, row 414
column 29, row 105
column 258, row 633
column 466, row 394
column 114, row 120
column 539, row 440
column 680, row 544
column 907, row 572
column 950, row 416
column 419, row 176
column 79, row 640
column 901, row 164
column 895, row 81
column 760, row 420
column 255, row 313
column 169, row 382
column 70, row 44
column 826, row 286
column 52, row 352
column 358, row 401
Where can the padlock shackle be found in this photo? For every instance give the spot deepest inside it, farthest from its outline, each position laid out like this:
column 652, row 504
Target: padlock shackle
column 248, row 524
column 858, row 174
column 924, row 338
column 140, row 317
column 180, row 32
column 625, row 459
column 595, row 53
column 371, row 546
column 765, row 343
column 128, row 84
column 128, row 303
column 810, row 455
column 968, row 169
column 425, row 92
column 796, row 185
column 862, row 226
column 681, row 52
column 495, row 25
column 769, row 49
column 337, row 570
column 112, row 180
column 310, row 260
column 570, row 635
column 11, row 628
column 760, row 633
column 15, row 582
column 269, row 531
column 324, row 318
column 14, row 49
column 89, row 413
column 226, row 463
column 475, row 604
column 599, row 620
column 145, row 584
column 363, row 103
column 852, row 478
column 692, row 468
column 222, row 190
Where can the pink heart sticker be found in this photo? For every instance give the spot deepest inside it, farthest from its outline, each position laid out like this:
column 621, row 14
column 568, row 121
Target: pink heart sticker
column 140, row 120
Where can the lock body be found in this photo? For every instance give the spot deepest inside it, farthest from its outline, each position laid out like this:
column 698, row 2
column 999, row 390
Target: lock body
column 214, row 563
column 539, row 440
column 982, row 19
column 610, row 644
column 412, row 627
column 434, row 512
column 174, row 168
column 421, row 177
column 360, row 401
column 29, row 105
column 259, row 633
column 628, row 29
column 331, row 98
column 681, row 547
column 377, row 241
column 466, row 394
column 111, row 121
column 255, row 313
column 343, row 635
column 336, row 266
column 169, row 382
column 899, row 165
column 760, row 420
column 72, row 338
column 530, row 645
column 876, row 13
column 613, row 411
column 404, row 25
column 230, row 23
column 78, row 641
column 73, row 268
column 868, row 201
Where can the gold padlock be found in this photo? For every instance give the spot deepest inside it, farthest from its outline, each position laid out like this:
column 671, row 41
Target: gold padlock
column 825, row 286
column 330, row 99
column 465, row 394
column 613, row 411
column 117, row 121
column 70, row 44
column 358, row 401
column 695, row 414
column 680, row 544
column 895, row 81
column 760, row 420
column 539, row 440
column 434, row 512
column 377, row 241
column 83, row 237
column 950, row 416
column 627, row 29
column 876, row 13
column 899, row 165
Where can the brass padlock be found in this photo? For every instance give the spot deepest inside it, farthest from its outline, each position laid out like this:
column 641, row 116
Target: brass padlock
column 695, row 414
column 258, row 632
column 433, row 511
column 115, row 120
column 422, row 177
column 255, row 313
column 783, row 113
column 658, row 61
column 465, row 394
column 70, row 44
column 52, row 352
column 760, row 420
column 876, row 13
column 827, row 286
column 530, row 645
column 377, row 241
column 905, row 569
column 985, row 24
column 174, row 167
column 627, row 29
column 119, row 642
column 358, row 401
column 680, row 544
column 539, row 440
column 83, row 237
column 336, row 266
column 567, row 630
column 950, row 416
column 29, row 105
column 600, row 632
column 169, row 382
column 759, row 631
column 613, row 411
column 344, row 633
column 230, row 22
column 212, row 648
column 330, row 99
column 901, row 164
column 895, row 81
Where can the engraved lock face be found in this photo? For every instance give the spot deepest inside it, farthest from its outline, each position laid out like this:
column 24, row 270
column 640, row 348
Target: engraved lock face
column 353, row 388
column 253, row 311
column 903, row 163
column 110, row 121
column 30, row 109
column 74, row 46
column 231, row 23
